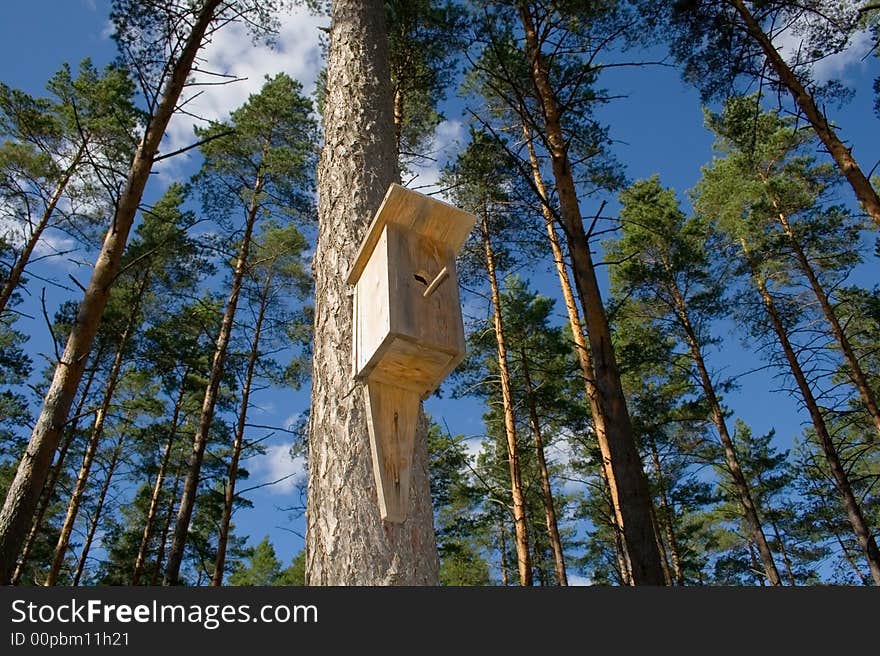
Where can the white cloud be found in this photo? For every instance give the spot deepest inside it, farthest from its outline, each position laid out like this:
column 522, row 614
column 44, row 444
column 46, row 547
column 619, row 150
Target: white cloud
column 275, row 464
column 232, row 52
column 447, row 141
column 575, row 580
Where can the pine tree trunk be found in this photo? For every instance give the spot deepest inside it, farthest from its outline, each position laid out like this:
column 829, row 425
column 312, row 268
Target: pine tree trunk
column 789, row 570
column 849, row 559
column 754, row 559
column 15, row 273
column 666, row 515
column 212, row 391
column 750, row 511
column 502, row 539
column 841, row 479
column 842, row 155
column 664, row 559
column 632, row 485
column 521, row 539
column 93, row 526
column 581, row 348
column 546, row 489
column 54, row 475
column 166, row 528
column 860, row 380
column 238, row 441
column 95, row 437
column 347, row 543
column 156, row 495
column 24, row 492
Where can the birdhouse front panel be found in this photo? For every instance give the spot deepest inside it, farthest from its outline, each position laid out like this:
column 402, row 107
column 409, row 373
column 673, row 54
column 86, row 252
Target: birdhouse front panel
column 408, row 322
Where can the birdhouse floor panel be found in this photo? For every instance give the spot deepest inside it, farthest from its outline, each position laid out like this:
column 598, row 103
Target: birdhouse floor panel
column 409, row 365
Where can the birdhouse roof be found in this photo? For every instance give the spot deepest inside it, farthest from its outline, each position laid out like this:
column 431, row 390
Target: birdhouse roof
column 419, row 213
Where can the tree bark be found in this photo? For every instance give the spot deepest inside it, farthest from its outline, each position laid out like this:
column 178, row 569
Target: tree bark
column 521, row 535
column 212, row 391
column 93, row 526
column 166, row 528
column 841, row 479
column 24, row 492
column 95, row 437
column 860, row 380
column 238, row 441
column 156, row 495
column 842, row 155
column 502, row 537
column 750, row 511
column 14, row 276
column 54, row 475
column 585, row 360
column 546, row 488
column 633, row 493
column 666, row 516
column 347, row 543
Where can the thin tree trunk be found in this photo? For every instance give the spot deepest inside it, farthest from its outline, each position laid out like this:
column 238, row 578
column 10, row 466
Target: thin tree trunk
column 858, row 375
column 238, row 441
column 754, row 559
column 516, row 490
column 93, row 526
column 502, row 537
column 95, row 437
column 166, row 529
column 546, row 488
column 585, row 360
column 849, row 559
column 842, row 155
column 141, row 559
column 23, row 494
column 347, row 543
column 850, row 503
column 212, row 391
column 664, row 559
column 666, row 515
column 789, row 570
column 15, row 273
column 750, row 511
column 54, row 475
column 398, row 118
column 633, row 494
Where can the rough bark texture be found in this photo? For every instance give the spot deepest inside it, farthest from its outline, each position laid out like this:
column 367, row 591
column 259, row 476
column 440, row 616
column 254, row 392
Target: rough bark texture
column 632, row 485
column 842, row 155
column 24, row 492
column 346, row 542
column 238, row 440
column 212, row 391
column 546, row 489
column 838, row 472
column 750, row 511
column 521, row 534
column 55, row 474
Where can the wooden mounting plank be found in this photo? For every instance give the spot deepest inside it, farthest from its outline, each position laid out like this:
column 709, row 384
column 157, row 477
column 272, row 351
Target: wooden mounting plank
column 392, row 415
column 422, row 214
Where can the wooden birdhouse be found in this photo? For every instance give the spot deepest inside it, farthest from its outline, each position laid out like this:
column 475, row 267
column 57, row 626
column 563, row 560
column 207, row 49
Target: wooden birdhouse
column 407, row 331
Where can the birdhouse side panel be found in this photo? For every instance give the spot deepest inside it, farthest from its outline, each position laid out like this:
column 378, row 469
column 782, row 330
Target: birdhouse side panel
column 372, row 303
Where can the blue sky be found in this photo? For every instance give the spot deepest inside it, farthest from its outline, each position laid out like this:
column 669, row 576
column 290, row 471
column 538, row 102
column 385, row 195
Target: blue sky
column 658, row 129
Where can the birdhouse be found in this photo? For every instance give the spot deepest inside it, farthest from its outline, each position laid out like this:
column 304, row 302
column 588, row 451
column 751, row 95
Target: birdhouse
column 407, row 330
